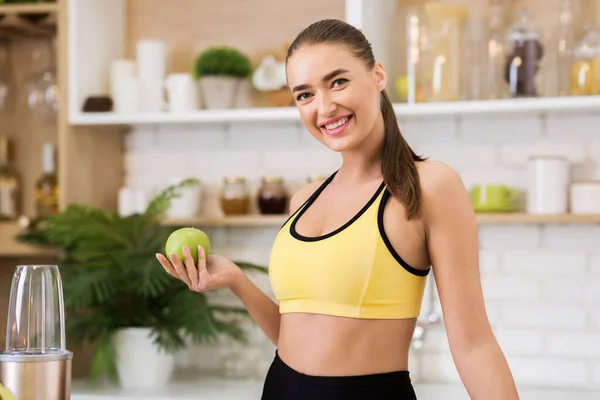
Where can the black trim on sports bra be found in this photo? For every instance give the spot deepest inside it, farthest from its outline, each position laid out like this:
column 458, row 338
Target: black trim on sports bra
column 310, row 198
column 388, row 244
column 303, row 238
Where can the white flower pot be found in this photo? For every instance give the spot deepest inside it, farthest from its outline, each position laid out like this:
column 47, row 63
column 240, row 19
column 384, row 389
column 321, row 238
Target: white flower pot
column 219, row 91
column 140, row 363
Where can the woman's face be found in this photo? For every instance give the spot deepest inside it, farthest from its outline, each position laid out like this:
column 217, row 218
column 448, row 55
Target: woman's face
column 337, row 94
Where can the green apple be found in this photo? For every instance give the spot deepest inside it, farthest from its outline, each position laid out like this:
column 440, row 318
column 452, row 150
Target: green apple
column 190, row 237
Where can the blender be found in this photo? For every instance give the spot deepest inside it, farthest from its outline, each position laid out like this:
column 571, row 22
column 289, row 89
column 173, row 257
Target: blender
column 35, row 364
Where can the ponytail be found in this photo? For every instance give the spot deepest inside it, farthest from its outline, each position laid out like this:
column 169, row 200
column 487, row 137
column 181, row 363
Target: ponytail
column 399, row 162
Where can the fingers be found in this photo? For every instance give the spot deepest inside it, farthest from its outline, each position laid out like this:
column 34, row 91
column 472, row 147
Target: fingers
column 192, row 271
column 166, row 264
column 203, row 274
column 180, row 269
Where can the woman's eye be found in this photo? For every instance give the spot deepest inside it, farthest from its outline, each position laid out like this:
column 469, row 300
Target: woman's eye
column 339, row 81
column 302, row 96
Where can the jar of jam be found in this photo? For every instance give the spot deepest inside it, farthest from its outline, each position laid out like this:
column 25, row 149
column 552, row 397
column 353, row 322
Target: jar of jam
column 272, row 196
column 235, row 196
column 315, row 178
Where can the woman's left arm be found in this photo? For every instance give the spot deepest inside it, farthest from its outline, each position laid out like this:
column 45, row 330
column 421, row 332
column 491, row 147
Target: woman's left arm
column 453, row 246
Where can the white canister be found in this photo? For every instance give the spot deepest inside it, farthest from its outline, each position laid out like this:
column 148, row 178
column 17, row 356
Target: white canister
column 585, row 197
column 549, row 178
column 127, row 95
column 188, row 204
column 151, row 57
column 182, row 93
column 121, row 68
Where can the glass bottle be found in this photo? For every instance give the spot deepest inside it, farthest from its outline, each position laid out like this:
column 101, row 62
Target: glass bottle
column 444, row 52
column 315, row 178
column 585, row 70
column 7, row 93
column 235, row 196
column 523, row 55
column 46, row 187
column 272, row 196
column 10, row 185
column 564, row 43
column 494, row 63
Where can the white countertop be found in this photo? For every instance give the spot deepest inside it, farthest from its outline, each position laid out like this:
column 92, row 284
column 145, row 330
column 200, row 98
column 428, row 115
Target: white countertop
column 209, row 388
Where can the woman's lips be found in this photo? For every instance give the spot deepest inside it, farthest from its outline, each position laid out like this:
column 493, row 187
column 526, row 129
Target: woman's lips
column 336, row 127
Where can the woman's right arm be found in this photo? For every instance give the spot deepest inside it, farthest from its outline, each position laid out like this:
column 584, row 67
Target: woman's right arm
column 262, row 309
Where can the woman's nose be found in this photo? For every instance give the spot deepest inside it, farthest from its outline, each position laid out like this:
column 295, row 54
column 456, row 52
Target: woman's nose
column 326, row 106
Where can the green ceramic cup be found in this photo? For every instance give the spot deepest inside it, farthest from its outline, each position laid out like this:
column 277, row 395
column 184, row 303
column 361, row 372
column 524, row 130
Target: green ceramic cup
column 493, row 197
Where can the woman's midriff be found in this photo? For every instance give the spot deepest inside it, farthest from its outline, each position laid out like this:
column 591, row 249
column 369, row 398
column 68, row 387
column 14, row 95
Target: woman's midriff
column 325, row 345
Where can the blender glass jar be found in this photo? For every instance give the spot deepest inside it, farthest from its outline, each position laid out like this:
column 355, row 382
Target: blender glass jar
column 523, row 56
column 444, row 51
column 585, row 70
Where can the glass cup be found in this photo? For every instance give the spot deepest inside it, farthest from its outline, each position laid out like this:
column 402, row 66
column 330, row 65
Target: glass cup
column 36, row 319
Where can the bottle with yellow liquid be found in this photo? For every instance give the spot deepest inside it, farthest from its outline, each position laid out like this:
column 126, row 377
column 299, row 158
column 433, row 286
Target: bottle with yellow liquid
column 46, row 188
column 585, row 70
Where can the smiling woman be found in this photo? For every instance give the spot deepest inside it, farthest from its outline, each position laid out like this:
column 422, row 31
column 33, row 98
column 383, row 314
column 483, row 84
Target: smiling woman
column 350, row 264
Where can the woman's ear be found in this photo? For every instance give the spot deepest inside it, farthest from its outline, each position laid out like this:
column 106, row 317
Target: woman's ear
column 380, row 76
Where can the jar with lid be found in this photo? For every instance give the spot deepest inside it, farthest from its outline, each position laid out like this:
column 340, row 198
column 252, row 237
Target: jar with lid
column 315, row 178
column 235, row 196
column 444, row 52
column 585, row 70
column 524, row 52
column 494, row 61
column 272, row 196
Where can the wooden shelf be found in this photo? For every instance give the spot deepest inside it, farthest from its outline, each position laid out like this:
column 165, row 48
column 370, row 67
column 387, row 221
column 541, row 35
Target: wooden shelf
column 523, row 218
column 484, row 219
column 31, row 8
column 242, row 220
column 9, row 247
column 273, row 114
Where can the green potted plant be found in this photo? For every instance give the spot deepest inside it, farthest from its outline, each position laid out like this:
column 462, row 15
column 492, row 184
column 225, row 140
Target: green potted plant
column 221, row 72
column 119, row 297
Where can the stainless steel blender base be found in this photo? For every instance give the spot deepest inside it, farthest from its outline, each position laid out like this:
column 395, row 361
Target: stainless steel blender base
column 43, row 377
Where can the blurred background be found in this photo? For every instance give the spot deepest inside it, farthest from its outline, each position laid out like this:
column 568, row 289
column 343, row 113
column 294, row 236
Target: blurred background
column 107, row 103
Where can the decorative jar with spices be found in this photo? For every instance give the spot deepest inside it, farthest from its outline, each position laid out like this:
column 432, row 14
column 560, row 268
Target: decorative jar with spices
column 272, row 196
column 235, row 196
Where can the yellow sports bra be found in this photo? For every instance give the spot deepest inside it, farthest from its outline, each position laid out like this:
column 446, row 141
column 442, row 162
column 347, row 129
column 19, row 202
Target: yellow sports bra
column 351, row 272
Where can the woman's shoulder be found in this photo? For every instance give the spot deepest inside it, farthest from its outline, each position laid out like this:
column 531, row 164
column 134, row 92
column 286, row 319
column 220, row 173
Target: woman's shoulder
column 441, row 187
column 438, row 179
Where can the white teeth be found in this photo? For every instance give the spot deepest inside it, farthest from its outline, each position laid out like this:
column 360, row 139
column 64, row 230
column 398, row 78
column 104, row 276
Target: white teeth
column 337, row 123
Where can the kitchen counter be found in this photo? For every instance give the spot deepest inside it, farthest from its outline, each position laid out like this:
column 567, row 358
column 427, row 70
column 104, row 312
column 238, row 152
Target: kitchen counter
column 208, row 388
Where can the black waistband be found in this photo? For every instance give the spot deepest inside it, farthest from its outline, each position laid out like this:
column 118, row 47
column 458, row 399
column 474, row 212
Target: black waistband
column 350, row 380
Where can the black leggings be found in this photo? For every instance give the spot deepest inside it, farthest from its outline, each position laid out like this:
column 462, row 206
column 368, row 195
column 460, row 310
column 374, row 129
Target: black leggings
column 284, row 383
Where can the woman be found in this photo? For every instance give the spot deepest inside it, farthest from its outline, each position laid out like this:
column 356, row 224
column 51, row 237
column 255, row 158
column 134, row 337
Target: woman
column 349, row 266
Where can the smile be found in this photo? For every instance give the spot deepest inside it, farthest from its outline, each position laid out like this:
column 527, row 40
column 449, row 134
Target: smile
column 337, row 126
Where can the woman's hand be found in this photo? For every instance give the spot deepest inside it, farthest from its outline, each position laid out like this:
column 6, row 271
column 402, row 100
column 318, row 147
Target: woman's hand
column 213, row 272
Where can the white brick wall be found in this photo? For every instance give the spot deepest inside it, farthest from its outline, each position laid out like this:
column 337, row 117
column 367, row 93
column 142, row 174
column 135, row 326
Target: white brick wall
column 541, row 282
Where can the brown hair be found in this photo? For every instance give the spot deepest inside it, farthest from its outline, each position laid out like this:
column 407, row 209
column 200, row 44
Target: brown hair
column 398, row 159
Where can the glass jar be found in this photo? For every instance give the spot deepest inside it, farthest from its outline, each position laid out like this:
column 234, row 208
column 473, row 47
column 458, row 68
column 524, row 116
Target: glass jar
column 494, row 60
column 523, row 56
column 235, row 196
column 272, row 196
column 315, row 178
column 585, row 70
column 444, row 52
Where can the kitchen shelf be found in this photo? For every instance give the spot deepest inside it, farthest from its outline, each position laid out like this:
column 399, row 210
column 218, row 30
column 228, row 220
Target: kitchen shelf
column 242, row 220
column 262, row 114
column 484, row 219
column 31, row 8
column 524, row 218
column 9, row 247
column 273, row 114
